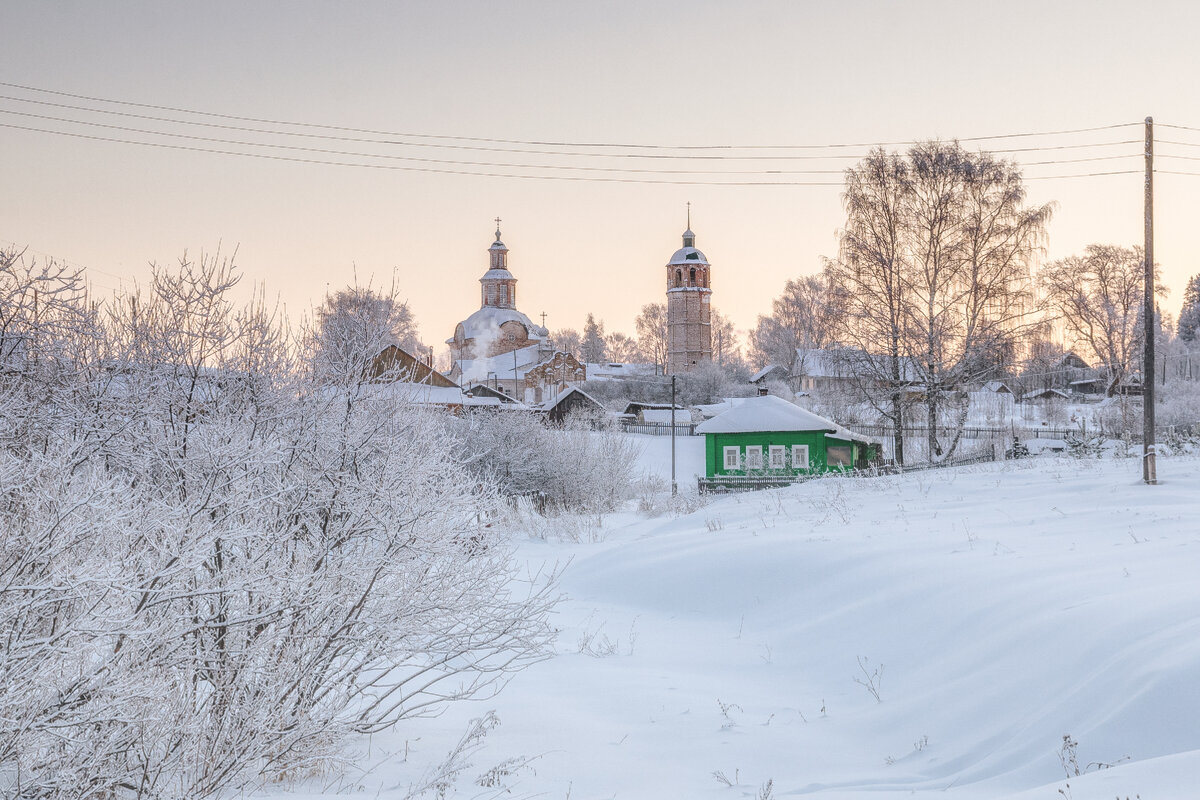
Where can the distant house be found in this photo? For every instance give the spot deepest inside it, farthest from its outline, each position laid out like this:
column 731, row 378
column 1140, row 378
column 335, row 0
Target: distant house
column 615, row 371
column 655, row 412
column 394, row 363
column 771, row 372
column 841, row 370
column 482, row 391
column 768, row 436
column 1045, row 395
column 997, row 387
column 574, row 401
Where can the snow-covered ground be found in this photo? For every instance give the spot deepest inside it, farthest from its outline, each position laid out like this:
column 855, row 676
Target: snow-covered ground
column 742, row 639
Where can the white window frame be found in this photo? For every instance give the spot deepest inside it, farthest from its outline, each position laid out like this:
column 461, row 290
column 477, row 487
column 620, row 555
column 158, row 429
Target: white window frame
column 736, row 453
column 800, row 456
column 754, row 456
column 777, row 456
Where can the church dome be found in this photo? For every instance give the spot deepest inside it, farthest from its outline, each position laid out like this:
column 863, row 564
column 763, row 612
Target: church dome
column 687, row 255
column 485, row 323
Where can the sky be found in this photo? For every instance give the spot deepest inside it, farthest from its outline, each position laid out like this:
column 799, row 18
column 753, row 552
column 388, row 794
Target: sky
column 765, row 72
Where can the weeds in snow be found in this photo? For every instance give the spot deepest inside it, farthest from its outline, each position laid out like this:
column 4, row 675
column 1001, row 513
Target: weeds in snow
column 870, row 679
column 722, row 778
column 1069, row 758
column 730, row 722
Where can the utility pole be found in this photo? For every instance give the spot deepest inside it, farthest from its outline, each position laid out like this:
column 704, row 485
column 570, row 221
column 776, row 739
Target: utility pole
column 1149, row 467
column 674, row 486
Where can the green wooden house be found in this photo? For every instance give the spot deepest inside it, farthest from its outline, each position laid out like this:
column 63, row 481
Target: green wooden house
column 769, row 437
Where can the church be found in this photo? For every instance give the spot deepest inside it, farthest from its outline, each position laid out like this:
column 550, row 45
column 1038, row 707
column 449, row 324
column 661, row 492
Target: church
column 500, row 347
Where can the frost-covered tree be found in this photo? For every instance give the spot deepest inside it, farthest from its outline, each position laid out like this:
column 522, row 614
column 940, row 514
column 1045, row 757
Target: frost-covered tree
column 802, row 318
column 215, row 568
column 1099, row 297
column 652, row 333
column 566, row 340
column 622, row 348
column 354, row 325
column 592, row 346
column 1189, row 313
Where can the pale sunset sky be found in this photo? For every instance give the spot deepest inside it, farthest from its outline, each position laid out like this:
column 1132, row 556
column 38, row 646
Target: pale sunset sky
column 649, row 73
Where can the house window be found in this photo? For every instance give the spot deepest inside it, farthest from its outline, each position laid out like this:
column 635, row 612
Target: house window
column 838, row 455
column 732, row 458
column 754, row 457
column 799, row 456
column 775, row 455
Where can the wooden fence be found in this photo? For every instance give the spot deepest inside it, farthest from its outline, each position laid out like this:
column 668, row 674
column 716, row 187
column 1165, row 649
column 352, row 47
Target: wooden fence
column 659, row 428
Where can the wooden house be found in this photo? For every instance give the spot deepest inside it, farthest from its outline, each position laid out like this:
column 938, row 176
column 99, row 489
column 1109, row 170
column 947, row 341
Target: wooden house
column 769, row 437
column 574, row 401
column 397, row 364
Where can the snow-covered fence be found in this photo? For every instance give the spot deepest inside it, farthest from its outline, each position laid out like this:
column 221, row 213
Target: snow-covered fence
column 658, row 428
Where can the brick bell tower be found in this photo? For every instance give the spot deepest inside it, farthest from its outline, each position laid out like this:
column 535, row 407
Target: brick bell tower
column 689, row 306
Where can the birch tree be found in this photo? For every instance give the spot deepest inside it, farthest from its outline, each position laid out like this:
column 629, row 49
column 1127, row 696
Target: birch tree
column 936, row 271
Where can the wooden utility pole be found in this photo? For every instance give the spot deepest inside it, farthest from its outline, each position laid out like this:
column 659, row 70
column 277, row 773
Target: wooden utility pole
column 674, row 486
column 1149, row 467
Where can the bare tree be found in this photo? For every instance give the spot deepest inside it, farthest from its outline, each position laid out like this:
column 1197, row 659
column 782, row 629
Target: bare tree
column 935, row 270
column 872, row 271
column 726, row 346
column 802, row 318
column 652, row 333
column 1098, row 298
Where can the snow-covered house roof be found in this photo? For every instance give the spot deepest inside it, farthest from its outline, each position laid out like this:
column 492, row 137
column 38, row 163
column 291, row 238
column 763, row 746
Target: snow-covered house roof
column 611, row 370
column 766, row 413
column 637, row 406
column 663, row 415
column 849, row 436
column 997, row 386
column 847, row 362
column 766, row 371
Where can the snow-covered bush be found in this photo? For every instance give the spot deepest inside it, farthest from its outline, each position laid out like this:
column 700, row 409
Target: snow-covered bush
column 214, row 570
column 576, row 468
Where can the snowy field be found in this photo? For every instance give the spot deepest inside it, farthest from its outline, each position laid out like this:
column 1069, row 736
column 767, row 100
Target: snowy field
column 993, row 609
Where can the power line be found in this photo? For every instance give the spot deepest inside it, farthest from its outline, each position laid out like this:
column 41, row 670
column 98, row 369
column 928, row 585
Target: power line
column 397, row 167
column 473, row 173
column 394, row 143
column 543, row 143
column 505, row 165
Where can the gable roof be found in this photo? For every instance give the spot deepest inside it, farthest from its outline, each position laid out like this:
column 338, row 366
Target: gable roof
column 767, row 370
column 766, row 413
column 572, row 390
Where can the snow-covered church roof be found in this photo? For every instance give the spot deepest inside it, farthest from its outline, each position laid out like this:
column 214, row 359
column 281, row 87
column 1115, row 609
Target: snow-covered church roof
column 766, row 413
column 485, row 323
column 688, row 255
